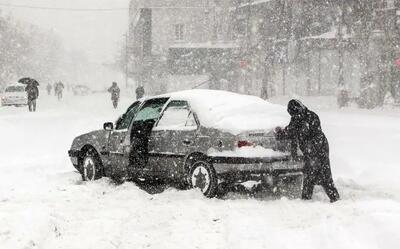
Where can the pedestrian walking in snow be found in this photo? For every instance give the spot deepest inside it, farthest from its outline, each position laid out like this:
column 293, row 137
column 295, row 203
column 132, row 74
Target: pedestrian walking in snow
column 54, row 87
column 59, row 88
column 305, row 129
column 115, row 94
column 139, row 92
column 49, row 87
column 264, row 92
column 33, row 93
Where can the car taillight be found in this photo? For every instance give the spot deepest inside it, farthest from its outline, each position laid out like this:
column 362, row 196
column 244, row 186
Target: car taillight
column 243, row 143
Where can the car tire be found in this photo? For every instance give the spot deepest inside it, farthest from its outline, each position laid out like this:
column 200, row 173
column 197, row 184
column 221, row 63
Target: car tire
column 92, row 168
column 203, row 176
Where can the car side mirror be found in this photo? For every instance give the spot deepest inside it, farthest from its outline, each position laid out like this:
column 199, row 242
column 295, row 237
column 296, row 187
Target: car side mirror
column 109, row 126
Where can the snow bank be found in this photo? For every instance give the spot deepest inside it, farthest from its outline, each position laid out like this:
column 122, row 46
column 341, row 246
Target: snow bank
column 233, row 112
column 44, row 204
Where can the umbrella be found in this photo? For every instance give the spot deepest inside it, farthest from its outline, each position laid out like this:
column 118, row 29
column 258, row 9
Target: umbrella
column 28, row 81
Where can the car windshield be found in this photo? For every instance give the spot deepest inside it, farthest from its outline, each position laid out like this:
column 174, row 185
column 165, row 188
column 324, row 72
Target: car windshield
column 12, row 89
column 150, row 110
column 125, row 120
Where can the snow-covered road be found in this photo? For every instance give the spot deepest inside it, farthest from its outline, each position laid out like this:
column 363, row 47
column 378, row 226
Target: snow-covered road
column 44, row 204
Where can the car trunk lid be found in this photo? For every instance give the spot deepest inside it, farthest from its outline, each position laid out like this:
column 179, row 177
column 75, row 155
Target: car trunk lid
column 263, row 138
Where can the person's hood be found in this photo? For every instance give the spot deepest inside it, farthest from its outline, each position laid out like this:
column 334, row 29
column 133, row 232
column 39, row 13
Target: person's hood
column 295, row 107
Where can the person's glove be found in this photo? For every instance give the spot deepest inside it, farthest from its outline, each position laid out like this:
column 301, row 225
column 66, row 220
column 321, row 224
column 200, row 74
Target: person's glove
column 278, row 130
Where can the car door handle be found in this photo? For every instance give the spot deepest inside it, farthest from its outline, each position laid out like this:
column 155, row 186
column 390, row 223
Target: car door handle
column 187, row 142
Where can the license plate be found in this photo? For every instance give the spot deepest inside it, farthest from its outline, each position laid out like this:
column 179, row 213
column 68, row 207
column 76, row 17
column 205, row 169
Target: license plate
column 286, row 165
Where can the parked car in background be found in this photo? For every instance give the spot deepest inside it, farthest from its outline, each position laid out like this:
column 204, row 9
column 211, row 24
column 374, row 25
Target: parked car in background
column 14, row 95
column 81, row 90
column 199, row 138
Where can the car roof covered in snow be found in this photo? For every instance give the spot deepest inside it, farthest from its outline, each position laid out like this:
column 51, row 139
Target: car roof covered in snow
column 232, row 112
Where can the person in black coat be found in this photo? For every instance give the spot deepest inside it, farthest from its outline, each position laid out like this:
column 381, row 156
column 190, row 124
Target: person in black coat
column 305, row 129
column 115, row 94
column 33, row 93
column 139, row 92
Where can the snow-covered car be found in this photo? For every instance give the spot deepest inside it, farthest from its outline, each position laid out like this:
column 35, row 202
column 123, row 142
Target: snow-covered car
column 201, row 138
column 14, row 95
column 81, row 90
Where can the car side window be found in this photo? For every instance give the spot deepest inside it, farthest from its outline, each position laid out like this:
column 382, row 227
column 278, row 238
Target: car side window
column 125, row 120
column 151, row 110
column 191, row 121
column 177, row 116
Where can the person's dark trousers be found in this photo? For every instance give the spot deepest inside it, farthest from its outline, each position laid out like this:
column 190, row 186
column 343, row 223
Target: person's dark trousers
column 318, row 172
column 32, row 105
column 115, row 103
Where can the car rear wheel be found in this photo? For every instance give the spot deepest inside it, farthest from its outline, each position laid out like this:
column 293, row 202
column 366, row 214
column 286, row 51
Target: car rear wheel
column 91, row 167
column 204, row 177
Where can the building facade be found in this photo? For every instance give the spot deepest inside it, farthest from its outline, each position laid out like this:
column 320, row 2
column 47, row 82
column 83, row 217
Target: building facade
column 312, row 47
column 303, row 47
column 178, row 40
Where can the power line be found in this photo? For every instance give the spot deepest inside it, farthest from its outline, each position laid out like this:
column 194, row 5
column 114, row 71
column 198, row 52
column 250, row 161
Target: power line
column 20, row 6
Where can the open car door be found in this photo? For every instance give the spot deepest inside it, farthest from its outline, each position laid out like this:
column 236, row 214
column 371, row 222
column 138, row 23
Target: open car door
column 141, row 128
column 117, row 147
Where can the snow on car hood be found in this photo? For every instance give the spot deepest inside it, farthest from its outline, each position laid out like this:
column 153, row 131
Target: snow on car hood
column 232, row 112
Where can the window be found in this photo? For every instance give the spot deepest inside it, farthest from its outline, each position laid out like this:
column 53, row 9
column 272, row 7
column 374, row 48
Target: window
column 12, row 89
column 151, row 110
column 125, row 120
column 179, row 28
column 177, row 116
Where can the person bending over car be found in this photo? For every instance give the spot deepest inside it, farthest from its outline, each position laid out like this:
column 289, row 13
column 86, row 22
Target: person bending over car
column 305, row 129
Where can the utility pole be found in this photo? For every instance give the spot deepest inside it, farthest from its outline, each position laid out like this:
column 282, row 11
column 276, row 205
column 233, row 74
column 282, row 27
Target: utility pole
column 126, row 60
column 341, row 44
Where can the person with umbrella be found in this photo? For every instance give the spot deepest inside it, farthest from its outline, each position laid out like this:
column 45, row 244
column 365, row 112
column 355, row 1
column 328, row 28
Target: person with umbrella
column 32, row 91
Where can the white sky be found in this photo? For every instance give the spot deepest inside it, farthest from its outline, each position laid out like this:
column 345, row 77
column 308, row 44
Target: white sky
column 97, row 34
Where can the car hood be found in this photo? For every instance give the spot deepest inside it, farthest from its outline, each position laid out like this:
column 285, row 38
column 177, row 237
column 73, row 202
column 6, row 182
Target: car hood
column 95, row 138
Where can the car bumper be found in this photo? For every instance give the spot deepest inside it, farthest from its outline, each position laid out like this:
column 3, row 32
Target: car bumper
column 257, row 166
column 14, row 101
column 74, row 156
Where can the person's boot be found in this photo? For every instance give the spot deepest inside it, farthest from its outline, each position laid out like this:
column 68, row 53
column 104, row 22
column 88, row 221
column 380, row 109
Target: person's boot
column 334, row 200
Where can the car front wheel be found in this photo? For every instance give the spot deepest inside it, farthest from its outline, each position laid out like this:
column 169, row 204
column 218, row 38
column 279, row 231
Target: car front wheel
column 91, row 167
column 203, row 177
